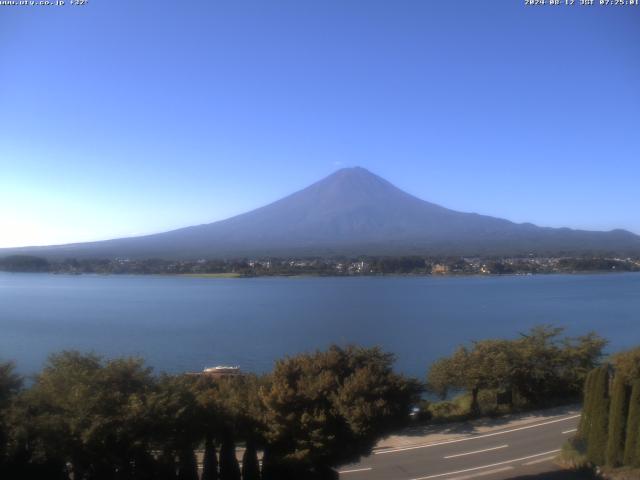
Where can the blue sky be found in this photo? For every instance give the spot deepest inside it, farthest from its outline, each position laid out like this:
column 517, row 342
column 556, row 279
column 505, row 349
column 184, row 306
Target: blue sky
column 122, row 118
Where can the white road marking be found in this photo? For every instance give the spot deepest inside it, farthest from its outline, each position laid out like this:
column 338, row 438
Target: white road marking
column 570, row 431
column 540, row 460
column 356, row 470
column 486, row 466
column 482, row 474
column 466, row 439
column 477, row 451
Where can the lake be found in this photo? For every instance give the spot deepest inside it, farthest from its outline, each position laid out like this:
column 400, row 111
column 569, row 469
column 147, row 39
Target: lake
column 184, row 323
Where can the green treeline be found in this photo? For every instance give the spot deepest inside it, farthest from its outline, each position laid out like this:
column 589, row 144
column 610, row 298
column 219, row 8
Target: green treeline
column 24, row 263
column 540, row 368
column 321, row 266
column 609, row 432
column 89, row 418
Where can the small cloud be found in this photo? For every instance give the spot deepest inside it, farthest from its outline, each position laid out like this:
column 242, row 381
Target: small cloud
column 338, row 163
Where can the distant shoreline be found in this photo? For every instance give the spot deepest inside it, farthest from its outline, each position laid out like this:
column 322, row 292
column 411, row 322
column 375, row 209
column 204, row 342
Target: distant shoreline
column 214, row 276
column 328, row 267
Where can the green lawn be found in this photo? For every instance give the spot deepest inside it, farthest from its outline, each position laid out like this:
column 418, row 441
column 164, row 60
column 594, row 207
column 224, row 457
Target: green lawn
column 211, row 275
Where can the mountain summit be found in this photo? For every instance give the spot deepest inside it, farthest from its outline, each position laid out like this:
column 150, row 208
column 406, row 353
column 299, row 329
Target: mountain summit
column 351, row 212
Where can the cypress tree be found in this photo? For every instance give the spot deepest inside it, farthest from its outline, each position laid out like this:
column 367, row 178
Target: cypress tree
column 599, row 417
column 188, row 465
column 618, row 414
column 210, row 467
column 166, row 467
column 250, row 465
column 268, row 472
column 229, row 468
column 587, row 406
column 632, row 443
column 144, row 466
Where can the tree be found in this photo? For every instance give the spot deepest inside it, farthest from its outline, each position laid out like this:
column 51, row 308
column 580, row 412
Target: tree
column 627, row 364
column 551, row 368
column 232, row 408
column 10, row 385
column 618, row 414
column 632, row 442
column 229, row 468
column 187, row 465
column 250, row 465
column 210, row 461
column 540, row 367
column 270, row 468
column 166, row 467
column 24, row 263
column 172, row 413
column 598, row 417
column 144, row 465
column 326, row 408
column 83, row 410
column 486, row 365
column 587, row 406
column 578, row 356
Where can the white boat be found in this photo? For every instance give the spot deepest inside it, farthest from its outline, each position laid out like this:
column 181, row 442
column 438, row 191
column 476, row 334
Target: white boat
column 223, row 370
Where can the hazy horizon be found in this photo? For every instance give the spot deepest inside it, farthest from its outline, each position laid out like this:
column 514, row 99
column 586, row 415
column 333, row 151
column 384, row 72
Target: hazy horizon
column 149, row 116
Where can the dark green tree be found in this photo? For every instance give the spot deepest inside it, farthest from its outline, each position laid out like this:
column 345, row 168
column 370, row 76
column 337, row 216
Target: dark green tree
column 326, row 408
column 632, row 443
column 187, row 465
column 552, row 369
column 173, row 414
column 144, row 465
column 487, row 365
column 618, row 414
column 10, row 385
column 250, row 465
column 232, row 407
column 85, row 411
column 587, row 405
column 599, row 417
column 210, row 460
column 627, row 364
column 541, row 367
column 269, row 467
column 229, row 468
column 24, row 263
column 166, row 466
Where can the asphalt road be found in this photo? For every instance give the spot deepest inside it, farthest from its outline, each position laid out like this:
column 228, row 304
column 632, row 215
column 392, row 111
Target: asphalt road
column 502, row 454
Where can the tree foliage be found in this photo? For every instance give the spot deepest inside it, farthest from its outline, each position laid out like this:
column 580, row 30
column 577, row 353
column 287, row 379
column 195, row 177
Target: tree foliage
column 540, row 367
column 10, row 385
column 229, row 467
column 587, row 405
column 250, row 464
column 618, row 414
column 632, row 441
column 598, row 417
column 330, row 407
column 210, row 460
column 89, row 408
column 187, row 465
column 24, row 263
column 627, row 364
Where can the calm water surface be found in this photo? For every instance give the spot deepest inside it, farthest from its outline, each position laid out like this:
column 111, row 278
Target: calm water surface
column 179, row 323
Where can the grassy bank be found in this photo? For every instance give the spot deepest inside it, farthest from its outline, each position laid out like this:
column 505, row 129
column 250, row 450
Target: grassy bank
column 211, row 275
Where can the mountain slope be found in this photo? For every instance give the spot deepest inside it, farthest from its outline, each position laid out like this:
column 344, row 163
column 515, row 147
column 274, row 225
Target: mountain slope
column 351, row 212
